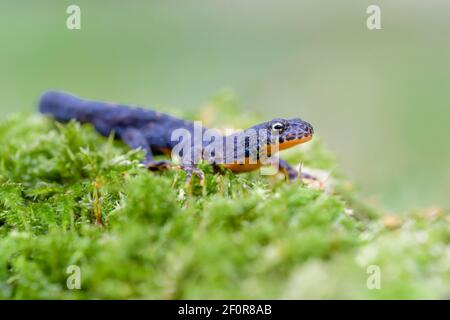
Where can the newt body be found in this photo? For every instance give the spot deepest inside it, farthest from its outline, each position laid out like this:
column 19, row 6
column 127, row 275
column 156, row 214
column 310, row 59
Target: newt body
column 153, row 132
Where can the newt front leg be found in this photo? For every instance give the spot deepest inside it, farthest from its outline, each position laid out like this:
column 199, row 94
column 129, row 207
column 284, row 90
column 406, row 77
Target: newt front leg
column 291, row 174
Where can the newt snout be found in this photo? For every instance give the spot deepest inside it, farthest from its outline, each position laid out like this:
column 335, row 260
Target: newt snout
column 290, row 132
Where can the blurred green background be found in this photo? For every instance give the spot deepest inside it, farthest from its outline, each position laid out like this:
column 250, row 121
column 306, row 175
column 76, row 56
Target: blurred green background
column 379, row 99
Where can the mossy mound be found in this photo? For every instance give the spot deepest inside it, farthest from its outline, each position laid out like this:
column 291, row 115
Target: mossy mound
column 71, row 197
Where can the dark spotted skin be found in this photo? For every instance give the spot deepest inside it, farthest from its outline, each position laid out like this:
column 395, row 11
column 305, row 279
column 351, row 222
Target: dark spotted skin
column 152, row 130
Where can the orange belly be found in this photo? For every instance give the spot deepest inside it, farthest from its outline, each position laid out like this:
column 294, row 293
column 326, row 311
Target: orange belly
column 244, row 167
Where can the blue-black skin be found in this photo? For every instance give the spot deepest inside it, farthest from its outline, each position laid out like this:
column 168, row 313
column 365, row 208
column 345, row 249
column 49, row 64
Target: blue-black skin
column 152, row 130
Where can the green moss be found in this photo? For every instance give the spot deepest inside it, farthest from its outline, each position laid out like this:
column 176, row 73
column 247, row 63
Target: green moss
column 71, row 197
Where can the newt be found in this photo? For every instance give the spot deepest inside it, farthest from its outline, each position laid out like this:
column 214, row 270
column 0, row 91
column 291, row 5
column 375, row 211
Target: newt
column 153, row 132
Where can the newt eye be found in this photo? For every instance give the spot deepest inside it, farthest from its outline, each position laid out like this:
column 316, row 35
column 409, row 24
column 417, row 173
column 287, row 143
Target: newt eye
column 277, row 126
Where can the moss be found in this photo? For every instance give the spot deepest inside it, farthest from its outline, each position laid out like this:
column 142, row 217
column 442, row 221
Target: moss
column 71, row 197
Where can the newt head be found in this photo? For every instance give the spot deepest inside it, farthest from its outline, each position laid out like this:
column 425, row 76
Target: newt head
column 264, row 139
column 287, row 132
